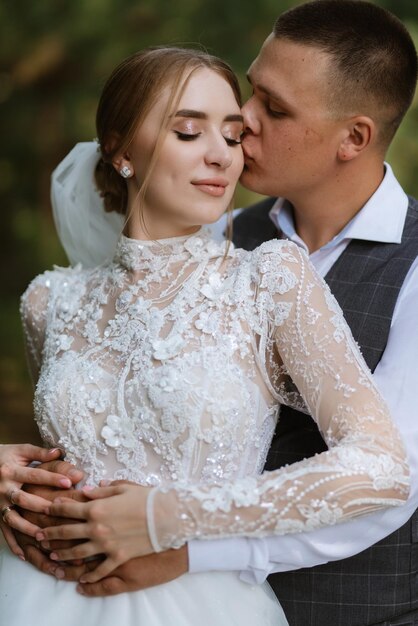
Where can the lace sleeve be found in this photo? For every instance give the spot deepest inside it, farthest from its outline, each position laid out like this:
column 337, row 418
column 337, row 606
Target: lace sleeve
column 33, row 312
column 365, row 467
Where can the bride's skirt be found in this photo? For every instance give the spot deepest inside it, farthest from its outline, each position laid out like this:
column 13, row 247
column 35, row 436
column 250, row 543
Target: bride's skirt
column 31, row 598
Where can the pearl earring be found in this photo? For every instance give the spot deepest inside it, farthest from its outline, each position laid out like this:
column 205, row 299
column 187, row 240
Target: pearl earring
column 125, row 171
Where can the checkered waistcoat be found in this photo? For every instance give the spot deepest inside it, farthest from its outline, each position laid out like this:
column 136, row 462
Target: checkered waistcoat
column 380, row 585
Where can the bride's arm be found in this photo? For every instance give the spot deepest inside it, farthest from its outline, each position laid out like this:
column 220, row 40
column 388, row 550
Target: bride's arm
column 364, row 469
column 16, row 459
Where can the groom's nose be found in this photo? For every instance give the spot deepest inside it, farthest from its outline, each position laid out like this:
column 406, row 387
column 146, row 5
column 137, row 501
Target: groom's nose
column 251, row 118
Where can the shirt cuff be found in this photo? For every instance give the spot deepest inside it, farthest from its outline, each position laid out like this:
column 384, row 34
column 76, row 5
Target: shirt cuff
column 219, row 555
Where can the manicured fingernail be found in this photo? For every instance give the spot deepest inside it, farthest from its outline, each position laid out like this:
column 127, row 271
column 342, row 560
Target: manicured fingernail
column 88, row 488
column 74, row 473
column 65, row 482
column 39, row 536
column 53, row 450
column 53, row 556
column 21, row 557
column 105, row 483
column 45, row 544
column 83, row 579
column 80, row 589
column 59, row 573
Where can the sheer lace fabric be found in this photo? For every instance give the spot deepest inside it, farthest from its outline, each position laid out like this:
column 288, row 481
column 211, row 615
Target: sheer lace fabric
column 167, row 365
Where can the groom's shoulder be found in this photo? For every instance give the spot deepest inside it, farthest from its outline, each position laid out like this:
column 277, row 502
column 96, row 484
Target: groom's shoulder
column 253, row 225
column 259, row 210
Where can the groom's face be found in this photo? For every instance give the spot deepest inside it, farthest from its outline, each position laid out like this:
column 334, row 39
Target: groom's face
column 292, row 136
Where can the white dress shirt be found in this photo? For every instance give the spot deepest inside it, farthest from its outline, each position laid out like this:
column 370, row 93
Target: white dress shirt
column 381, row 219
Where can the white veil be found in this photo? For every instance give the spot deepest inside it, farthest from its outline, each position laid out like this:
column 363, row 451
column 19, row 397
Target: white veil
column 87, row 232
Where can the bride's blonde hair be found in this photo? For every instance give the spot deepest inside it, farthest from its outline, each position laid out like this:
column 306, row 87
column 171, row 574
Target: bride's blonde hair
column 128, row 96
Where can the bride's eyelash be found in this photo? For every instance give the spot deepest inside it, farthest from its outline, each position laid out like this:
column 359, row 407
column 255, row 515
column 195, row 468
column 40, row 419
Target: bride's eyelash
column 232, row 142
column 186, row 136
column 189, row 137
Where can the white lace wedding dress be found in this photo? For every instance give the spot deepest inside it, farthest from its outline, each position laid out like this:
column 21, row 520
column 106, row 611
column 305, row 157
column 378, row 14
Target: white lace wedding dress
column 166, row 367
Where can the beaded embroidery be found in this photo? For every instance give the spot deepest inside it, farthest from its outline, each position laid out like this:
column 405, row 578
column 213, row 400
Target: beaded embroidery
column 167, row 365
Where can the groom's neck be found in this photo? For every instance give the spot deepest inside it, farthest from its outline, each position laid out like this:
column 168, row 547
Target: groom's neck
column 324, row 212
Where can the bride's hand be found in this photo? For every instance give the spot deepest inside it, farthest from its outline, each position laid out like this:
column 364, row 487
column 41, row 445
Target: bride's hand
column 14, row 472
column 114, row 524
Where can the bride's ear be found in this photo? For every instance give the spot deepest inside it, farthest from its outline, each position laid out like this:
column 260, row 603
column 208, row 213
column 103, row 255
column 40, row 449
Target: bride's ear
column 121, row 160
column 123, row 166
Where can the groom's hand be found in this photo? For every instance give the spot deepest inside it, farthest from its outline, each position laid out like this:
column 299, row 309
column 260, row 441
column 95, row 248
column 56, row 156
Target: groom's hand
column 136, row 574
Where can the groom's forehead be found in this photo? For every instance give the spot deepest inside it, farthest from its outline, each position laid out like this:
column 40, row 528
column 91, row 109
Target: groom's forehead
column 262, row 53
column 280, row 56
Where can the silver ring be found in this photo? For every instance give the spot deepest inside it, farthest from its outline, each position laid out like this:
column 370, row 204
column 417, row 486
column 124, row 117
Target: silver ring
column 11, row 494
column 4, row 511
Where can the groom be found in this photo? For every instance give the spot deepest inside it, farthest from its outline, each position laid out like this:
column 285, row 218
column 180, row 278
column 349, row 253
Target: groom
column 330, row 87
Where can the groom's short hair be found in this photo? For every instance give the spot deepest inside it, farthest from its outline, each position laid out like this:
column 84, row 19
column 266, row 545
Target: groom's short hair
column 373, row 68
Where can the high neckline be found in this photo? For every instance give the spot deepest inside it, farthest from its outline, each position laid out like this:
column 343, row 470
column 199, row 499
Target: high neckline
column 141, row 254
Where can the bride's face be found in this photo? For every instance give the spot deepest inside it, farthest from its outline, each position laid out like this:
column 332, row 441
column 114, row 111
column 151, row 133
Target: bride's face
column 199, row 161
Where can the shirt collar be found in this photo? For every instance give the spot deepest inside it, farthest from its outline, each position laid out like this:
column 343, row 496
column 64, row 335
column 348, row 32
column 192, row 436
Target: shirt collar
column 381, row 219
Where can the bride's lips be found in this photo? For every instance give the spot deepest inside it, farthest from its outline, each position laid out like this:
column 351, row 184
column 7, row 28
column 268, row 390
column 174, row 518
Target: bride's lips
column 212, row 186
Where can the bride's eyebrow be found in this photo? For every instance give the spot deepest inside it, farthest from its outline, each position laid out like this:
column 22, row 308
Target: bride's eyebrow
column 202, row 116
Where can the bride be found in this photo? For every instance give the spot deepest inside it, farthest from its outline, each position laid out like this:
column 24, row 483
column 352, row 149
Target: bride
column 165, row 365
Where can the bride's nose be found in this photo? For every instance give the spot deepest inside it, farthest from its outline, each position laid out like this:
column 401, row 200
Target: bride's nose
column 218, row 152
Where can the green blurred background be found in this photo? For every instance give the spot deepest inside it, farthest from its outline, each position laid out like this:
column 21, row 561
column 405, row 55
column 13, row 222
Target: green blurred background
column 54, row 58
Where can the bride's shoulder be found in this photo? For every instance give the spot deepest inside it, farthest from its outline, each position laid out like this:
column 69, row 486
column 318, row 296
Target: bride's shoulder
column 40, row 288
column 278, row 251
column 276, row 266
column 278, row 247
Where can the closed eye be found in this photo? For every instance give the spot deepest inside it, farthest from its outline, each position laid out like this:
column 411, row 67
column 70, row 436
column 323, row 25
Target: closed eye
column 186, row 136
column 232, row 142
column 273, row 113
column 191, row 136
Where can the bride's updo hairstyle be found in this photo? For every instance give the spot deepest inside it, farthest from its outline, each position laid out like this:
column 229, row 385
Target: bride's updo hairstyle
column 129, row 95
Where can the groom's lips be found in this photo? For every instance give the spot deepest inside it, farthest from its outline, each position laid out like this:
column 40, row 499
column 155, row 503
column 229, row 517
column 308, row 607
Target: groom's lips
column 248, row 159
column 247, row 155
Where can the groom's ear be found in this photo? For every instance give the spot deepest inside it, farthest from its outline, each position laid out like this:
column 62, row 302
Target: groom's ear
column 360, row 133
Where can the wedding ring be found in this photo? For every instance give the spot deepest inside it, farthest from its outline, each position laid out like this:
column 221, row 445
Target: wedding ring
column 11, row 494
column 4, row 511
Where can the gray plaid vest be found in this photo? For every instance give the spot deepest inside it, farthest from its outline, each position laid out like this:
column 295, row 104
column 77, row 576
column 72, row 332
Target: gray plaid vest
column 380, row 585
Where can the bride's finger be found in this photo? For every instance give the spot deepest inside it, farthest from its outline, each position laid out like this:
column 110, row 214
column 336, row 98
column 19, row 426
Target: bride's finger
column 30, row 502
column 37, row 476
column 101, row 492
column 101, row 571
column 36, row 453
column 11, row 542
column 17, row 522
column 63, row 507
column 64, row 531
column 80, row 551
